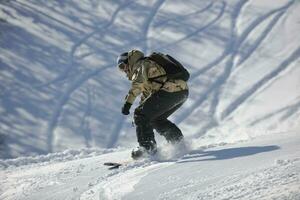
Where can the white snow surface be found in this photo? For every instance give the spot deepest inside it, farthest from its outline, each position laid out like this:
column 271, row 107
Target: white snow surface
column 61, row 94
column 262, row 168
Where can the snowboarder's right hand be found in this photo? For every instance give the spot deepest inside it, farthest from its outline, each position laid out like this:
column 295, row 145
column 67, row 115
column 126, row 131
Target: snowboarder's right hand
column 126, row 108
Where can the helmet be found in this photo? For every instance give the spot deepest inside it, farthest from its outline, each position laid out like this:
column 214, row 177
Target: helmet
column 134, row 56
column 126, row 61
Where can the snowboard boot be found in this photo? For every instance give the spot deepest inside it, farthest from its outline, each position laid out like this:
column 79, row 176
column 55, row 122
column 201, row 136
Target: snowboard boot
column 144, row 149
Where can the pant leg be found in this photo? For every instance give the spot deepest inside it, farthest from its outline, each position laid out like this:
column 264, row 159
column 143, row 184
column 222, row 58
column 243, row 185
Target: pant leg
column 166, row 128
column 157, row 108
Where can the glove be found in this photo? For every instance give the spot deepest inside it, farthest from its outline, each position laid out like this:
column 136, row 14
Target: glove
column 126, row 108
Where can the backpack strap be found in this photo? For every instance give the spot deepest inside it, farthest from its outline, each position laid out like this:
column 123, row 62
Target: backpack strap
column 154, row 79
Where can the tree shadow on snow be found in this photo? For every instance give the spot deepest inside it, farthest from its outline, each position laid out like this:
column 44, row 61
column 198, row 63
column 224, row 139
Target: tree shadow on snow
column 223, row 154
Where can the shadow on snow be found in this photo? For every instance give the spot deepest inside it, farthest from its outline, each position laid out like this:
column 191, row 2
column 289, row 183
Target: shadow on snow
column 222, row 154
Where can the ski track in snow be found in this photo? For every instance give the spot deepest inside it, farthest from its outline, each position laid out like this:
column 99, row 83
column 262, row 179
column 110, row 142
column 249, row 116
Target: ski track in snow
column 114, row 136
column 199, row 30
column 261, row 184
column 230, row 53
column 124, row 179
column 238, row 48
column 147, row 24
column 222, row 78
column 81, row 79
column 84, row 125
column 63, row 100
column 258, row 169
column 283, row 173
column 101, row 30
column 261, row 83
column 77, row 83
column 265, row 168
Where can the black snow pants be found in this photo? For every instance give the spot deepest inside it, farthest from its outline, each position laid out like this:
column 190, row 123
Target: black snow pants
column 153, row 114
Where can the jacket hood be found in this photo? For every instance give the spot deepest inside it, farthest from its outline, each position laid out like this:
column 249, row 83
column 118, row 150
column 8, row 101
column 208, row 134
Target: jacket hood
column 133, row 57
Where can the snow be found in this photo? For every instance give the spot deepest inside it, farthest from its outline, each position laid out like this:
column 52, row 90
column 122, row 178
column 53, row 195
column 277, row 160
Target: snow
column 262, row 168
column 60, row 99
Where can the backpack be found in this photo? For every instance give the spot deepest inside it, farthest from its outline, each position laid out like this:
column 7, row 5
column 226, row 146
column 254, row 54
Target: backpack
column 173, row 68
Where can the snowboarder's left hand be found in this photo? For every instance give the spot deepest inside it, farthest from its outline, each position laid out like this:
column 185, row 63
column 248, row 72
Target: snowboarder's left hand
column 126, row 108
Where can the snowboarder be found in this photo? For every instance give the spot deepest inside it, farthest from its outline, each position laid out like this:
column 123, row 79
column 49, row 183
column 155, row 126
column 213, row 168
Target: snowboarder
column 161, row 95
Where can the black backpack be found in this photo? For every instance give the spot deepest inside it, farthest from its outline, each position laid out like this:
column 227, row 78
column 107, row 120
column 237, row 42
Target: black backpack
column 173, row 68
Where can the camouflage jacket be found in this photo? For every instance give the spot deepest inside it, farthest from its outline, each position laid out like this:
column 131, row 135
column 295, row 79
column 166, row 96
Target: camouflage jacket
column 142, row 84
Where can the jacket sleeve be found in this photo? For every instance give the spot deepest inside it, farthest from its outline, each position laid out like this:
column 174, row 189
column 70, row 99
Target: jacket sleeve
column 136, row 85
column 135, row 90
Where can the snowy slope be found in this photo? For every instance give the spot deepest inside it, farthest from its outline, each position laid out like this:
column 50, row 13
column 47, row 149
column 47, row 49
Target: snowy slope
column 60, row 88
column 60, row 99
column 264, row 168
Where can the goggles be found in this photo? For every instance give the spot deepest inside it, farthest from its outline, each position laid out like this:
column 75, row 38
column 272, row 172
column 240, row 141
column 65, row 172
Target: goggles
column 122, row 62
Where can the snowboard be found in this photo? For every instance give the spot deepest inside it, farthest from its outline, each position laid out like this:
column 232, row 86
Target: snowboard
column 115, row 165
column 135, row 162
column 146, row 159
column 143, row 158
